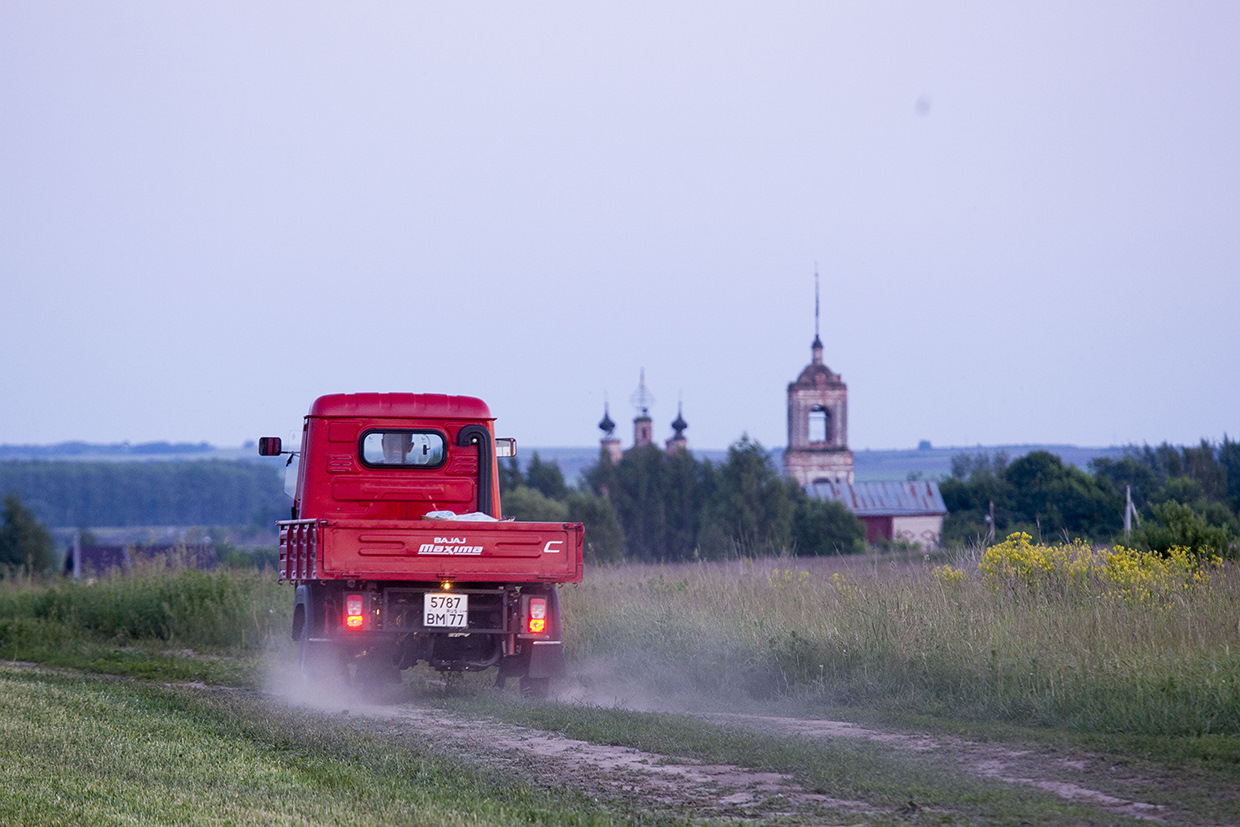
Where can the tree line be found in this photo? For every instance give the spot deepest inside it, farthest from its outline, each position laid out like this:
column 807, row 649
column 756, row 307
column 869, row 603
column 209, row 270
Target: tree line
column 1186, row 496
column 652, row 506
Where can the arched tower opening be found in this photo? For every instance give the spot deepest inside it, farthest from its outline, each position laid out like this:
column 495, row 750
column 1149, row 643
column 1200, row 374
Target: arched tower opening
column 821, row 428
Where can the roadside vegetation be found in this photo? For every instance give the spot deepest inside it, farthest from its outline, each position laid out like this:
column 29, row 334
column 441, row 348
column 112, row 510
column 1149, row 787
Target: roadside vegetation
column 1073, row 636
column 1110, row 640
column 151, row 621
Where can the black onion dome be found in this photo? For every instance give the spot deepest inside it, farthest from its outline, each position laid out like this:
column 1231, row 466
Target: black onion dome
column 605, row 424
column 679, row 424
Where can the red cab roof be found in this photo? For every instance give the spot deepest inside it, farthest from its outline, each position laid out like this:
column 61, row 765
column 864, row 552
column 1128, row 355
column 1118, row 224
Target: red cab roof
column 401, row 405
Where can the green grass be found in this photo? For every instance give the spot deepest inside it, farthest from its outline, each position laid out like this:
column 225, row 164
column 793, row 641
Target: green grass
column 85, row 750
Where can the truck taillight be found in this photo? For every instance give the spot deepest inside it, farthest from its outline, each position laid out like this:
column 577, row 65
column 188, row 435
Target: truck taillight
column 354, row 616
column 538, row 615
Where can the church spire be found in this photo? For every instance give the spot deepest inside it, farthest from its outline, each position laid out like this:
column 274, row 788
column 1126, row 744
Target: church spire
column 642, row 399
column 816, row 347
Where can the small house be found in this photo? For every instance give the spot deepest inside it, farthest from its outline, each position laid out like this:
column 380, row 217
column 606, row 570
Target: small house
column 911, row 511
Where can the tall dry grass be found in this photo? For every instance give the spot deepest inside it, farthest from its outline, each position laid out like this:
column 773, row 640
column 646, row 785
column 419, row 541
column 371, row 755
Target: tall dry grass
column 947, row 640
column 159, row 601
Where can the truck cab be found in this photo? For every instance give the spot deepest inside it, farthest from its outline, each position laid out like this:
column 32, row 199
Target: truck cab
column 399, row 551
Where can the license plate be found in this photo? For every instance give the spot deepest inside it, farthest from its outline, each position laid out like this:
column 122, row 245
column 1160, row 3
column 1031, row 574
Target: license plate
column 446, row 611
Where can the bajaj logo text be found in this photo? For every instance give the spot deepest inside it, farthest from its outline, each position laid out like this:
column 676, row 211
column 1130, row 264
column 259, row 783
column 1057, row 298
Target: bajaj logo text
column 449, row 545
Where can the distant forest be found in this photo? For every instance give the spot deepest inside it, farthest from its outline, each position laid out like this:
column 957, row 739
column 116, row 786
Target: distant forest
column 95, row 494
column 94, row 449
column 1182, row 495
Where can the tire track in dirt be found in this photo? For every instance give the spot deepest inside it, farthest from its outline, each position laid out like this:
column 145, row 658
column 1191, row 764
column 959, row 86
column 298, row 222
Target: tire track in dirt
column 1043, row 769
column 641, row 779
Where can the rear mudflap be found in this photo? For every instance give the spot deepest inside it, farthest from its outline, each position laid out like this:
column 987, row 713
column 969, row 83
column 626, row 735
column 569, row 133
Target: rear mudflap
column 547, row 659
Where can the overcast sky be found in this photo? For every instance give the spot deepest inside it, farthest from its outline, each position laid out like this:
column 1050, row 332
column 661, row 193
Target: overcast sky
column 1026, row 216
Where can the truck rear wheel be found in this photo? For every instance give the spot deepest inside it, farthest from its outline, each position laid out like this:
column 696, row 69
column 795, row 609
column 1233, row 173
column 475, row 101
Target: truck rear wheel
column 319, row 660
column 377, row 673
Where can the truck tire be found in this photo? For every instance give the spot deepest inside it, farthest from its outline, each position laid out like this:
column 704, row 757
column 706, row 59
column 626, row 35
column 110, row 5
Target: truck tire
column 535, row 688
column 377, row 674
column 318, row 661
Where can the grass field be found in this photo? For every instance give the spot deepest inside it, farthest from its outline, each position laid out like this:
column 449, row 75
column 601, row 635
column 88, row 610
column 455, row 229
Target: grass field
column 81, row 750
column 1064, row 646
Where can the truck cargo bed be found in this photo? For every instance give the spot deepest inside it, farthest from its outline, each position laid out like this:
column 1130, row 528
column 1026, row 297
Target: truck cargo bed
column 428, row 550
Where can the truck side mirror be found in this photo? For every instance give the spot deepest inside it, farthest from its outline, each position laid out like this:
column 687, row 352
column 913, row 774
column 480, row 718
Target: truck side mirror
column 269, row 446
column 505, row 446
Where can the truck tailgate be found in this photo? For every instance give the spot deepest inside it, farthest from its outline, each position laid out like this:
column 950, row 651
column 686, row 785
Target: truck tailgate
column 336, row 549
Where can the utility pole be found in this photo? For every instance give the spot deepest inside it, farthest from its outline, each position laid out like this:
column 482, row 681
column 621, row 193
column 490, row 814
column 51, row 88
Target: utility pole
column 1130, row 511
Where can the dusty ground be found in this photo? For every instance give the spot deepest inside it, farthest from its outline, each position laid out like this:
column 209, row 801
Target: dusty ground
column 645, row 780
column 1065, row 775
column 657, row 783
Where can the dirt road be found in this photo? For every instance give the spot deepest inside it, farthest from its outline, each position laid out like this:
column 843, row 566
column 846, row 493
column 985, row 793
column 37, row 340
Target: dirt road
column 649, row 782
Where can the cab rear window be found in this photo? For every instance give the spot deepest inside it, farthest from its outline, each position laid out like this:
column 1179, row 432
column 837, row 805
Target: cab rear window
column 402, row 449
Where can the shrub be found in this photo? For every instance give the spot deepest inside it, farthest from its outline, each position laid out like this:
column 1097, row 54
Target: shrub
column 1178, row 525
column 525, row 503
column 24, row 542
column 826, row 527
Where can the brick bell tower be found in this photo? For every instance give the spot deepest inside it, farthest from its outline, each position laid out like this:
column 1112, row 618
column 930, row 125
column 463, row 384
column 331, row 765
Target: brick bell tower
column 643, row 425
column 818, row 421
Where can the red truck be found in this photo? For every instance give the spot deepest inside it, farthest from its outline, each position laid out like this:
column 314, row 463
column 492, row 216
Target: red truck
column 399, row 550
